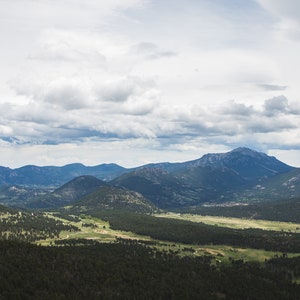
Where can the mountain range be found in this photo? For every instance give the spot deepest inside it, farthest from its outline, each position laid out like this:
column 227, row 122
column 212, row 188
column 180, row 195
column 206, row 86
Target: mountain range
column 239, row 175
column 53, row 176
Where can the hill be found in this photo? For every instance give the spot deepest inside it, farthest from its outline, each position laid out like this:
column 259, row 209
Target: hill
column 114, row 198
column 79, row 187
column 68, row 193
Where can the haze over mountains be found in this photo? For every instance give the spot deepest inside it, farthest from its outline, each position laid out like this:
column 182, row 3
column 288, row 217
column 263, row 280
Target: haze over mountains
column 239, row 175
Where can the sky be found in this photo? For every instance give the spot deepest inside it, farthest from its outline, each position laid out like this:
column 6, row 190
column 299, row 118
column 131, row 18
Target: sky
column 139, row 81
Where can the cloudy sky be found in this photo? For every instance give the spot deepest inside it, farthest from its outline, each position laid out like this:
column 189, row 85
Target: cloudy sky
column 139, row 81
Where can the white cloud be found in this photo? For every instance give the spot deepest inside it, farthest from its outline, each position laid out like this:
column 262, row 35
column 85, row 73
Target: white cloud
column 70, row 46
column 289, row 156
column 151, row 51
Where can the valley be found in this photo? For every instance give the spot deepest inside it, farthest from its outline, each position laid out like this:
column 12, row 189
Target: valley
column 95, row 229
column 152, row 226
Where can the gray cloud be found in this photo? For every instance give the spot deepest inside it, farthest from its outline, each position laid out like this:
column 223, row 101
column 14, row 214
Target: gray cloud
column 276, row 105
column 116, row 91
column 141, row 117
column 267, row 125
column 68, row 95
column 238, row 109
column 235, row 119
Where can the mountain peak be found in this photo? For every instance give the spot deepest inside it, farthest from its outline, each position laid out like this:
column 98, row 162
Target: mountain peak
column 248, row 163
column 212, row 158
column 243, row 150
column 247, row 152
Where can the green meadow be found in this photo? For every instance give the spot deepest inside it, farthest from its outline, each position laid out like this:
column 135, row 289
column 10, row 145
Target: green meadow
column 235, row 223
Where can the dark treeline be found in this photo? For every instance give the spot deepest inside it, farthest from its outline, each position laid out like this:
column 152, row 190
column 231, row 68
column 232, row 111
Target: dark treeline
column 127, row 270
column 5, row 209
column 201, row 234
column 30, row 226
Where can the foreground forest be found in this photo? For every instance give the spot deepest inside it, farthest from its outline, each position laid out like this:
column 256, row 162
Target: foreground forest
column 129, row 270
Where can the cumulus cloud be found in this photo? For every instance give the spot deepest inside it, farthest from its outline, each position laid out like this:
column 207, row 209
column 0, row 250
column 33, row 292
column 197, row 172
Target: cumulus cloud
column 234, row 119
column 280, row 105
column 268, row 125
column 142, row 103
column 116, row 91
column 238, row 109
column 276, row 105
column 67, row 93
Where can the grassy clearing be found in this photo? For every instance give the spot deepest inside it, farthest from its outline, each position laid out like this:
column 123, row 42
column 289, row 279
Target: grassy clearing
column 224, row 253
column 297, row 281
column 221, row 253
column 235, row 222
column 92, row 228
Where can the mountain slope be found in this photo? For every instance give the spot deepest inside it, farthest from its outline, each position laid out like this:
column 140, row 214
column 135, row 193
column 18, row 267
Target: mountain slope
column 19, row 196
column 185, row 187
column 282, row 186
column 212, row 178
column 157, row 185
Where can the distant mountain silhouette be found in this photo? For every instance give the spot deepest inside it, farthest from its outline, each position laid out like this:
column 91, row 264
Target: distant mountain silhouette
column 56, row 176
